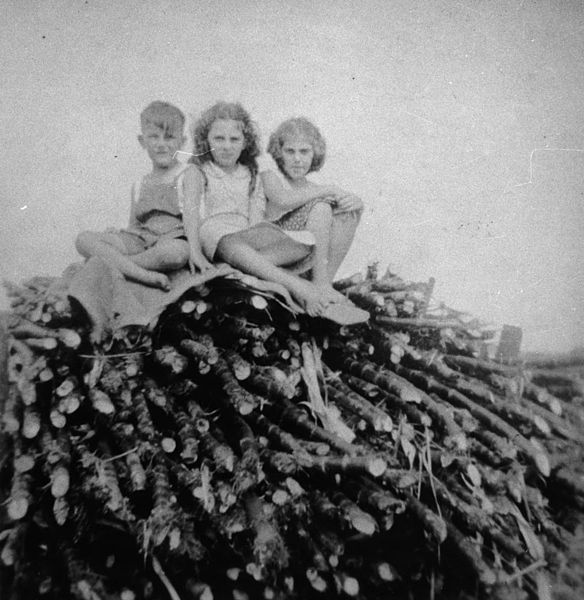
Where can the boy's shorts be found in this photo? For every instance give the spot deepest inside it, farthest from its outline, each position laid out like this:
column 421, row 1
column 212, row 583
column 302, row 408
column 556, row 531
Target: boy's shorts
column 133, row 242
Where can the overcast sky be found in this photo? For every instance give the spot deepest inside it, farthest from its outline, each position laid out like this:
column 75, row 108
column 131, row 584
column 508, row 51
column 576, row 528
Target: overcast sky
column 459, row 123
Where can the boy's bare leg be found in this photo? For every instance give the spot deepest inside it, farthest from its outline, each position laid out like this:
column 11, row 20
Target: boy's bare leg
column 342, row 233
column 166, row 255
column 105, row 246
column 240, row 250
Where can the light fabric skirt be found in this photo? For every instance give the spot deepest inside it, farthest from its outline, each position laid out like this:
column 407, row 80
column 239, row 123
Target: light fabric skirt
column 214, row 228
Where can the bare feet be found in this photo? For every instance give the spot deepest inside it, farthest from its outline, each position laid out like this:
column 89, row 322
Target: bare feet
column 328, row 303
column 345, row 314
column 331, row 295
column 311, row 297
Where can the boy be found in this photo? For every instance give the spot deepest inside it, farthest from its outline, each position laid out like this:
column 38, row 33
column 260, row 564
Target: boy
column 157, row 240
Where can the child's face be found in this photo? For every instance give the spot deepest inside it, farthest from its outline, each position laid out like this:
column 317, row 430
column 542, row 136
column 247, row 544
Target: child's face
column 161, row 145
column 297, row 154
column 226, row 142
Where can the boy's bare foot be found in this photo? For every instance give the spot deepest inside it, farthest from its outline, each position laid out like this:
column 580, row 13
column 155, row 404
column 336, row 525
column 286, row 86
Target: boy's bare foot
column 160, row 280
column 152, row 279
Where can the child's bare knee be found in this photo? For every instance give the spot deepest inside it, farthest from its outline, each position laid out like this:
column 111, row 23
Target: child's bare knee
column 321, row 210
column 85, row 236
column 173, row 254
column 227, row 247
column 354, row 215
column 84, row 240
column 182, row 254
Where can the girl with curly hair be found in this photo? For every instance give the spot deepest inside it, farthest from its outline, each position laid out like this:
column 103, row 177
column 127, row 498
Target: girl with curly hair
column 230, row 207
column 298, row 148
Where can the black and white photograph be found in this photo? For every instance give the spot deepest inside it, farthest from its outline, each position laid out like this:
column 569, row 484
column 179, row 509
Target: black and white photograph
column 292, row 300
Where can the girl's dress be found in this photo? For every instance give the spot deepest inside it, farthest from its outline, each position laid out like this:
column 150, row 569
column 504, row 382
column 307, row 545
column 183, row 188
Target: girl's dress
column 157, row 210
column 295, row 219
column 230, row 205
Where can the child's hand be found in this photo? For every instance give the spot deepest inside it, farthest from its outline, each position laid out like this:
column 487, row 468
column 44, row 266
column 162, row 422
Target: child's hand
column 348, row 203
column 200, row 263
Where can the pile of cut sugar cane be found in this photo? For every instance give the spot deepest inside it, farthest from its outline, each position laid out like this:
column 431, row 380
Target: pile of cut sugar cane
column 239, row 451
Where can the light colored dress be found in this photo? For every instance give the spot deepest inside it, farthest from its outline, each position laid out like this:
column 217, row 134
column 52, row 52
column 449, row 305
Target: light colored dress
column 228, row 206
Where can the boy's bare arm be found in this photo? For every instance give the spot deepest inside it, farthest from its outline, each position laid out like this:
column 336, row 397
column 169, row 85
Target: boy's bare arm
column 193, row 188
column 133, row 221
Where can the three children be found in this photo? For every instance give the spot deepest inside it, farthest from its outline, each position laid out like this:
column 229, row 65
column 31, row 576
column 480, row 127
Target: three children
column 218, row 206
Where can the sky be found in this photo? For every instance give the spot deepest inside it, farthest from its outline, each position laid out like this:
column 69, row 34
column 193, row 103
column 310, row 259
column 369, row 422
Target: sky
column 460, row 124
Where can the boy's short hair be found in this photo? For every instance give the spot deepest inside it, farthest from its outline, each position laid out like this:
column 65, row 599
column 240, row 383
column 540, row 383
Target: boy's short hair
column 298, row 127
column 163, row 115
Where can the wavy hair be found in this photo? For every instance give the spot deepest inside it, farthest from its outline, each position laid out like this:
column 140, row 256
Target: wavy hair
column 235, row 112
column 298, row 127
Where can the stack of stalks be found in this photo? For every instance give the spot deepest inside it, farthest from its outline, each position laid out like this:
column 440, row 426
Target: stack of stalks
column 239, row 451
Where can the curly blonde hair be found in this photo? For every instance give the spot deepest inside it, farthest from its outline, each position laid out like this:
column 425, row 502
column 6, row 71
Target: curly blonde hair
column 298, row 127
column 235, row 112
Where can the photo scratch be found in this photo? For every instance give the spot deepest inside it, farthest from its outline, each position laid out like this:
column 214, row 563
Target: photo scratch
column 190, row 153
column 531, row 157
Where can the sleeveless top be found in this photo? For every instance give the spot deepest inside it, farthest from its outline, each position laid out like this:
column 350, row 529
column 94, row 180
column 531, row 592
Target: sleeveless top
column 158, row 206
column 229, row 193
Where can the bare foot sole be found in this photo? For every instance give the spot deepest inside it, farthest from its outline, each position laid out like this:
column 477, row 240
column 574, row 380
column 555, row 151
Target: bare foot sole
column 344, row 313
column 154, row 279
column 325, row 302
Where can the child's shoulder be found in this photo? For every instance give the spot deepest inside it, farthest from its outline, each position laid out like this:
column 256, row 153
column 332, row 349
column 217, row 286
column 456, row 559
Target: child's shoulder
column 266, row 162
